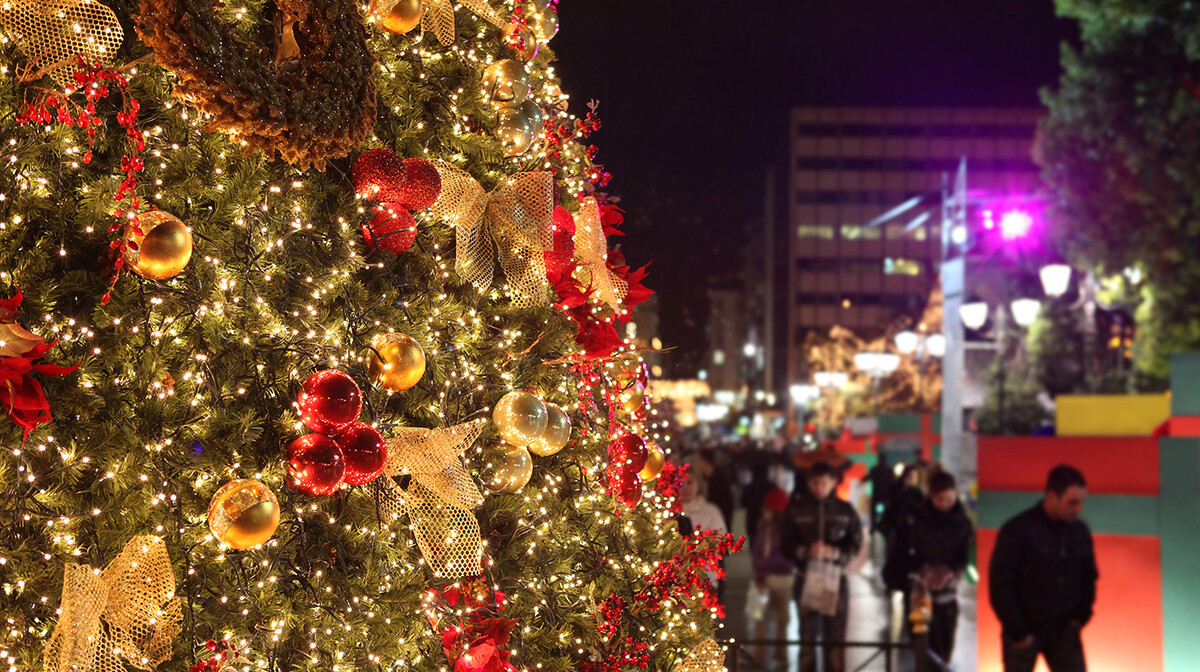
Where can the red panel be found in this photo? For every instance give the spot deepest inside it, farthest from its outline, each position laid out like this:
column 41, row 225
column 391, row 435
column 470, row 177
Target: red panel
column 851, row 446
column 1113, row 466
column 1127, row 631
column 1184, row 425
column 856, row 473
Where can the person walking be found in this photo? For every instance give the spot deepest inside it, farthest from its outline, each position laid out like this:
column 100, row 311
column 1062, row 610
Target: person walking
column 774, row 576
column 934, row 545
column 1043, row 578
column 821, row 526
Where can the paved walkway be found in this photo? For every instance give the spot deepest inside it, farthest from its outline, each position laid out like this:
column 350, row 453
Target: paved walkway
column 870, row 617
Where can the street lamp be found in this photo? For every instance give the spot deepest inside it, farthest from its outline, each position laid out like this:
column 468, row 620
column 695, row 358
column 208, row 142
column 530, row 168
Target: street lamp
column 1025, row 311
column 974, row 314
column 877, row 365
column 935, row 345
column 831, row 378
column 907, row 342
column 1055, row 279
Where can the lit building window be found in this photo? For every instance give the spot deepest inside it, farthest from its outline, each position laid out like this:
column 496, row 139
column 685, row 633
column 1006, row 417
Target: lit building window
column 718, row 357
column 901, row 267
column 853, row 232
column 896, row 232
column 816, row 231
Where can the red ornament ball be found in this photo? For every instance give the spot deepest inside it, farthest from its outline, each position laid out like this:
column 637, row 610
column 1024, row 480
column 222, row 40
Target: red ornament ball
column 329, row 401
column 629, row 453
column 629, row 491
column 364, row 451
column 392, row 229
column 314, row 465
column 558, row 259
column 379, row 175
column 422, row 184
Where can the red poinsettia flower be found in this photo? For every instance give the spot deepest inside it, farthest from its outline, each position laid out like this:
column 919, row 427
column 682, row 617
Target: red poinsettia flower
column 20, row 392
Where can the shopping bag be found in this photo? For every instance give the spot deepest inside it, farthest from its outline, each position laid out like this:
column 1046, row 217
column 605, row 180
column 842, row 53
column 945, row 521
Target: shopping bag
column 822, row 583
column 756, row 602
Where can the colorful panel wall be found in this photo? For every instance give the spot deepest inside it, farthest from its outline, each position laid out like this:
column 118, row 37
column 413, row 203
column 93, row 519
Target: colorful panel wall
column 1110, row 415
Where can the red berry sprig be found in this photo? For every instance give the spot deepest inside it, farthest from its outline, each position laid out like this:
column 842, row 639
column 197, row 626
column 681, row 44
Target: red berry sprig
column 225, row 652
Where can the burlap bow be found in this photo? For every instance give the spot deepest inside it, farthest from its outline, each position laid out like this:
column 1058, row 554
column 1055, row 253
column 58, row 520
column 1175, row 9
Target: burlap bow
column 440, row 497
column 591, row 249
column 52, row 32
column 708, row 656
column 438, row 17
column 129, row 611
column 512, row 222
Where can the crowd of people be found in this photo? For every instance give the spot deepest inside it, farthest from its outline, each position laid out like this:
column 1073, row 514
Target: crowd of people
column 803, row 541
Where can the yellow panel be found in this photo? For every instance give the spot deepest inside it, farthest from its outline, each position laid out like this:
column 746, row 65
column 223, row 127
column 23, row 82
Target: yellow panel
column 1111, row 415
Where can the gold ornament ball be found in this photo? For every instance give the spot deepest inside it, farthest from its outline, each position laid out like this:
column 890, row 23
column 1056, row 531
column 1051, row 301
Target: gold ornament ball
column 397, row 16
column 633, row 396
column 533, row 113
column 543, row 21
column 521, row 418
column 506, row 82
column 654, row 462
column 514, row 131
column 529, row 44
column 243, row 513
column 557, row 434
column 399, row 364
column 162, row 249
column 509, row 469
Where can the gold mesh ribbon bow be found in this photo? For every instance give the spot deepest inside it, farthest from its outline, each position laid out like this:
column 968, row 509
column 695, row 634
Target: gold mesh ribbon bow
column 513, row 222
column 440, row 497
column 52, row 32
column 438, row 17
column 128, row 611
column 591, row 249
column 707, row 656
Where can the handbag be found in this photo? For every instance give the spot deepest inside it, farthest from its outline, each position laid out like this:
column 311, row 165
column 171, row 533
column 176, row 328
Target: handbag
column 822, row 586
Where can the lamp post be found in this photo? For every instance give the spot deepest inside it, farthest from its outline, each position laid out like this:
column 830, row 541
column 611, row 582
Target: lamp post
column 877, row 365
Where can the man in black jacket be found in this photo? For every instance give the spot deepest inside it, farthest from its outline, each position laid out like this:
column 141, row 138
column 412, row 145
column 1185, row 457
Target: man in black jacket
column 1043, row 578
column 819, row 525
column 934, row 545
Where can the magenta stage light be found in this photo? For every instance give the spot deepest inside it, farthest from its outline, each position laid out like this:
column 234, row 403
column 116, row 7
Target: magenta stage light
column 1015, row 224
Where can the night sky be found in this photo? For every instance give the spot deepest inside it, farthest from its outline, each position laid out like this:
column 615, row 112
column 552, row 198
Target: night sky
column 694, row 99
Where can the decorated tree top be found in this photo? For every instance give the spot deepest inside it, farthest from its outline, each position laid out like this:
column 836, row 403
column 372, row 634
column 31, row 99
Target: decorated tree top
column 310, row 350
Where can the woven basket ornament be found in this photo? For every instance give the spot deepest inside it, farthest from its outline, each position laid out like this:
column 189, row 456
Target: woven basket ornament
column 51, row 33
column 440, row 498
column 438, row 17
column 708, row 656
column 512, row 223
column 127, row 613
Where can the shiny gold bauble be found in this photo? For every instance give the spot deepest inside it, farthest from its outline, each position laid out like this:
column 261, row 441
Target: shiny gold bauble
column 520, row 418
column 508, row 469
column 505, row 82
column 533, row 113
column 399, row 364
column 543, row 21
column 243, row 513
column 397, row 16
column 557, row 434
column 521, row 41
column 632, row 397
column 162, row 249
column 654, row 462
column 514, row 131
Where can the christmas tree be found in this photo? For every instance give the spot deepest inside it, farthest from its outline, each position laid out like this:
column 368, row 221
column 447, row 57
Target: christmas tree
column 309, row 350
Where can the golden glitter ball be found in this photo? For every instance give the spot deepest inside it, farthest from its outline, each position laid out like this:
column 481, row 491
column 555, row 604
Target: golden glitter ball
column 557, row 434
column 520, row 417
column 162, row 249
column 654, row 462
column 505, row 82
column 508, row 469
column 243, row 513
column 399, row 364
column 397, row 16
column 521, row 41
column 543, row 21
column 514, row 131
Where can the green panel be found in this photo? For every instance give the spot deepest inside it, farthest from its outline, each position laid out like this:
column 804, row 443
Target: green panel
column 1179, row 474
column 902, row 423
column 937, row 452
column 1105, row 514
column 1185, row 383
column 935, row 423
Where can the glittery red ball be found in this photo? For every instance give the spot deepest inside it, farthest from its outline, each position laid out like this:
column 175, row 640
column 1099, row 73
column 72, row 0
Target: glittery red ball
column 314, row 465
column 563, row 253
column 422, row 184
column 364, row 451
column 629, row 452
column 329, row 401
column 392, row 229
column 379, row 175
